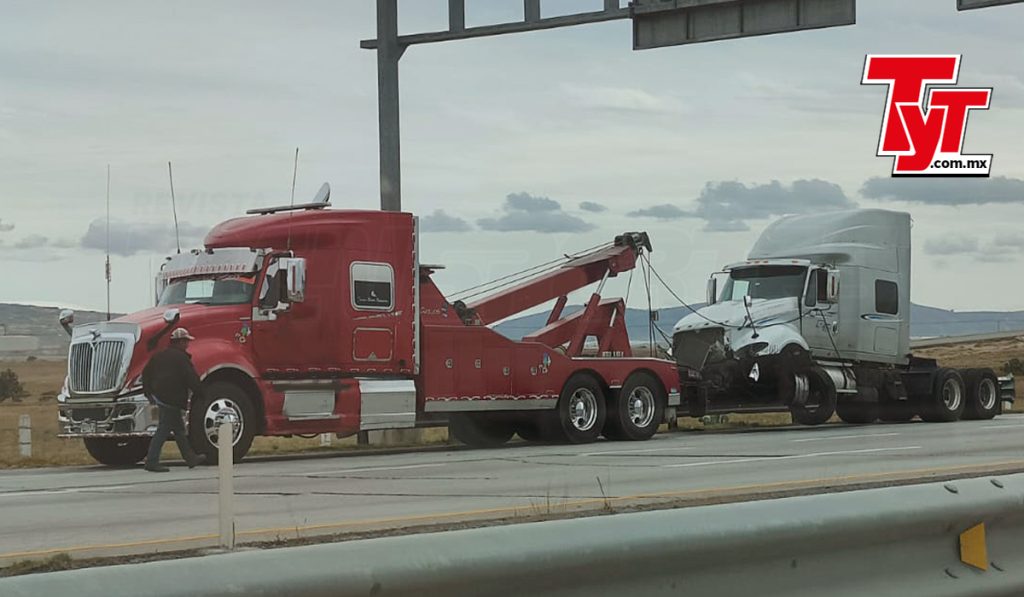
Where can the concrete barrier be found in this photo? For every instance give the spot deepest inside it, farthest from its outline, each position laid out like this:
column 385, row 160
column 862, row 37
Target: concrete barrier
column 896, row 541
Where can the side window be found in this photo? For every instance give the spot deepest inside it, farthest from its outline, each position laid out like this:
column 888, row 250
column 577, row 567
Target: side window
column 812, row 288
column 822, row 286
column 270, row 291
column 887, row 299
column 372, row 286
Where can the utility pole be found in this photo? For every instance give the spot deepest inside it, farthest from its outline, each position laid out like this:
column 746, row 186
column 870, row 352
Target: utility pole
column 389, row 51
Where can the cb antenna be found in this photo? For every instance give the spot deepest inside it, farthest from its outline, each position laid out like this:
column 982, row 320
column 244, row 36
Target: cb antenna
column 107, row 267
column 295, row 173
column 174, row 208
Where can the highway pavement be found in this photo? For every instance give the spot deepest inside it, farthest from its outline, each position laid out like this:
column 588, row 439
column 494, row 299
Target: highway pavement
column 91, row 511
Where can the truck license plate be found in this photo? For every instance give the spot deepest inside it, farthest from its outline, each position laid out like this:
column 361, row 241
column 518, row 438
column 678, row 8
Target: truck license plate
column 88, row 427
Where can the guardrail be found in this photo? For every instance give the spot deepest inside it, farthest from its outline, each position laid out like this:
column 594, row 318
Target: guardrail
column 896, row 541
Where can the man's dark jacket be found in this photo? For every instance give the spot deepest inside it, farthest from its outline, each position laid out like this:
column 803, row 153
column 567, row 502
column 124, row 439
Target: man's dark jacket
column 169, row 376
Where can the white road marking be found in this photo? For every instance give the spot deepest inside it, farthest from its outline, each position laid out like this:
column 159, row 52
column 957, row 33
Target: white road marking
column 641, row 451
column 791, row 457
column 1003, row 426
column 94, row 488
column 821, row 439
column 372, row 469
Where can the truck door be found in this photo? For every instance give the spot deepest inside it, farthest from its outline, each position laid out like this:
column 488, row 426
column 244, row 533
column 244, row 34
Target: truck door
column 820, row 322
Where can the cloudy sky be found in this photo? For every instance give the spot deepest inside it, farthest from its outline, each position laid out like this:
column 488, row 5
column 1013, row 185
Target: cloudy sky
column 515, row 149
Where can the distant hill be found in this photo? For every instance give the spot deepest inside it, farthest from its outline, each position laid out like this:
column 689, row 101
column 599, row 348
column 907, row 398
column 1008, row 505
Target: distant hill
column 925, row 322
column 41, row 322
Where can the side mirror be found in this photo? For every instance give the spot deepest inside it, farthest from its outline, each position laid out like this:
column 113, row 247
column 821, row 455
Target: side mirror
column 295, row 279
column 747, row 301
column 66, row 319
column 171, row 316
column 712, row 291
column 832, row 288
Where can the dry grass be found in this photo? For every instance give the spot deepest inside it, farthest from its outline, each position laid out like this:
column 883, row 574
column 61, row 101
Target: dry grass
column 42, row 380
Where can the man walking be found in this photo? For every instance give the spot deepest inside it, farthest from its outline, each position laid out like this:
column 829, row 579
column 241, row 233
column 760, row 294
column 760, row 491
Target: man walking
column 167, row 379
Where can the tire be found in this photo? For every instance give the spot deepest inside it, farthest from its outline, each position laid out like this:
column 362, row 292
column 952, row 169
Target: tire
column 581, row 412
column 637, row 412
column 821, row 399
column 983, row 399
column 858, row 413
column 117, row 451
column 220, row 401
column 477, row 431
column 948, row 398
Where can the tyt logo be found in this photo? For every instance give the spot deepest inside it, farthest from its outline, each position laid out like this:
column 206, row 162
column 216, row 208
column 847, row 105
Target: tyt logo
column 924, row 125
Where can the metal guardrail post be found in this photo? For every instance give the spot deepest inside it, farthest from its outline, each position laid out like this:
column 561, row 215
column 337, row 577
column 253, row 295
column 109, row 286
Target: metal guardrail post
column 226, row 492
column 25, row 436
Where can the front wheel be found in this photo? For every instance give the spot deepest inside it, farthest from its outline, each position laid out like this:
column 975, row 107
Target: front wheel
column 117, row 451
column 221, row 402
column 820, row 401
column 639, row 409
column 946, row 402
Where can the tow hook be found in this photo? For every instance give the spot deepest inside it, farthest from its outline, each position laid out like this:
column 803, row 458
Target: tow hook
column 755, row 373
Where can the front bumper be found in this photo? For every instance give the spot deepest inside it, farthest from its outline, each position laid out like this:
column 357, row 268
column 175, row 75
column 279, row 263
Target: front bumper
column 124, row 416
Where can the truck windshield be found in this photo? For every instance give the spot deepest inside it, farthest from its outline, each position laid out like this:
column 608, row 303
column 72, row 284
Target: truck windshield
column 767, row 282
column 209, row 290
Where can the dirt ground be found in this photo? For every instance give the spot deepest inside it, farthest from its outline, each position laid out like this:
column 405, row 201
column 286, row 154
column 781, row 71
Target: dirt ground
column 42, row 380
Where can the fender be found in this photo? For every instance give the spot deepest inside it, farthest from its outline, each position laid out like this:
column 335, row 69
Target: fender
column 212, row 355
column 776, row 337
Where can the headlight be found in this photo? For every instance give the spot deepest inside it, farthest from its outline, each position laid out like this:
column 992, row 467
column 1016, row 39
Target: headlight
column 752, row 350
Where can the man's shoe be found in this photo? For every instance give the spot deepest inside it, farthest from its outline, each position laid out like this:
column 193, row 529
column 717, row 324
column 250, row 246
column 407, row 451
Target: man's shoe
column 157, row 468
column 196, row 460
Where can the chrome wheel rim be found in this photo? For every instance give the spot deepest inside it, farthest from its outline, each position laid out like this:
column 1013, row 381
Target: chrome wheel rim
column 219, row 411
column 583, row 409
column 640, row 407
column 951, row 394
column 987, row 394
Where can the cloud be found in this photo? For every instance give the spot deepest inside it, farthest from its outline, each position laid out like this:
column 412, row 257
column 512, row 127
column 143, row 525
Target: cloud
column 661, row 212
column 127, row 239
column 439, row 221
column 946, row 191
column 592, row 207
column 625, row 100
column 1002, row 249
column 527, row 202
column 1015, row 240
column 951, row 245
column 525, row 212
column 33, row 241
column 726, row 206
column 5, row 227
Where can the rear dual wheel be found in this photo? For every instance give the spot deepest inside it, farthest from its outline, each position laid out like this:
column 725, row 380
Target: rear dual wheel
column 947, row 400
column 982, row 388
column 638, row 410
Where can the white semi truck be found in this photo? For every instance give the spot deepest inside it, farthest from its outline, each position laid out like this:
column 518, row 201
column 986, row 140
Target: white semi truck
column 817, row 321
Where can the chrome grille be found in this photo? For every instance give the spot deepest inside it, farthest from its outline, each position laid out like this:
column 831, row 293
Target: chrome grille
column 96, row 367
column 691, row 348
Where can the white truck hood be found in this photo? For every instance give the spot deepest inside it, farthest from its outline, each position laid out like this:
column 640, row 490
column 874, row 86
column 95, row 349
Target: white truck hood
column 732, row 314
column 774, row 320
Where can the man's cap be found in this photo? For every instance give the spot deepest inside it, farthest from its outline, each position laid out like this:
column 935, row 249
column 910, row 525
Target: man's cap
column 181, row 334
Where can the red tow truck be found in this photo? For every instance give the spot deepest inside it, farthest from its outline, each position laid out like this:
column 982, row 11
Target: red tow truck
column 311, row 320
